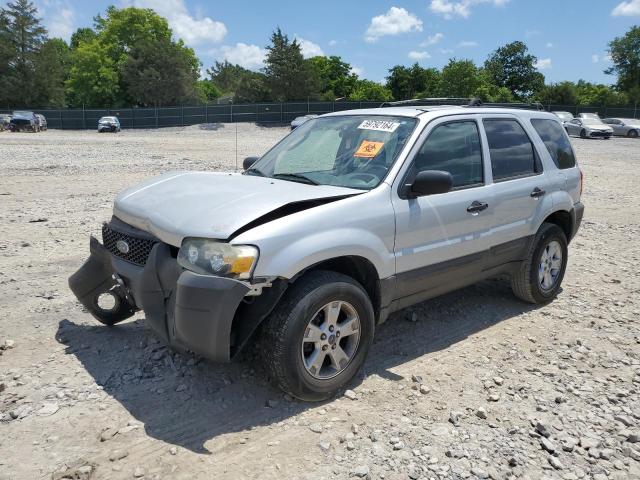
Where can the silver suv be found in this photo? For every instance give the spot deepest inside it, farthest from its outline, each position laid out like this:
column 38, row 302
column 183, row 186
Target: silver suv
column 351, row 217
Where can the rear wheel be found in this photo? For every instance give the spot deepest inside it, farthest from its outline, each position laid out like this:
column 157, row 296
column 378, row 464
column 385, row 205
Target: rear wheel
column 317, row 338
column 632, row 134
column 540, row 275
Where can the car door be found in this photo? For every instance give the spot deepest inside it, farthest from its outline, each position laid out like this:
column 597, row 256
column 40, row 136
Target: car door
column 440, row 238
column 519, row 184
column 574, row 126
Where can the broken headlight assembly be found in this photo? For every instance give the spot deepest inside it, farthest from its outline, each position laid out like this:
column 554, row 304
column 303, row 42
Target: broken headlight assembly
column 211, row 257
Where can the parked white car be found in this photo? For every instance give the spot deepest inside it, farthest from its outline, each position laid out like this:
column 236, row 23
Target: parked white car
column 588, row 127
column 352, row 216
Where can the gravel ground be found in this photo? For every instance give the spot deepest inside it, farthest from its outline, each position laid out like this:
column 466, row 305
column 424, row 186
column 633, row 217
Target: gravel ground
column 474, row 384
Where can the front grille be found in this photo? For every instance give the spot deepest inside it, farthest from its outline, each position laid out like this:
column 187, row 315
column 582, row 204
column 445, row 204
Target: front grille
column 139, row 248
column 600, row 134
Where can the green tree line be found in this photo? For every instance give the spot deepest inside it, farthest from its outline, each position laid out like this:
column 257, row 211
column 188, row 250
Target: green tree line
column 130, row 58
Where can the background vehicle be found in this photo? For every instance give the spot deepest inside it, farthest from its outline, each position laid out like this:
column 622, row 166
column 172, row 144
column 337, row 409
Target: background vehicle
column 300, row 120
column 352, row 216
column 564, row 116
column 5, row 120
column 108, row 124
column 588, row 127
column 24, row 120
column 42, row 122
column 626, row 127
column 589, row 115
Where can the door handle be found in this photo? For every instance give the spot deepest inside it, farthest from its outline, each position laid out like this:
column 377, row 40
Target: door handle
column 537, row 193
column 476, row 207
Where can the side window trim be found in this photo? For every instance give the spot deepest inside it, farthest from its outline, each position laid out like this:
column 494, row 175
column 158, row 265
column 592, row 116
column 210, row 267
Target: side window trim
column 537, row 161
column 419, row 144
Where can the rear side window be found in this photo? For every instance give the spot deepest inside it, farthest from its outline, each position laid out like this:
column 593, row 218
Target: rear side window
column 512, row 153
column 455, row 148
column 557, row 143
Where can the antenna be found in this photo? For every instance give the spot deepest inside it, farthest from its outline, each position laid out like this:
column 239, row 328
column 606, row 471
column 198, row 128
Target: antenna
column 236, row 146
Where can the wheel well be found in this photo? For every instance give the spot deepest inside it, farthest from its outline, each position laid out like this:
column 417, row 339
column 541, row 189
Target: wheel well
column 563, row 219
column 358, row 268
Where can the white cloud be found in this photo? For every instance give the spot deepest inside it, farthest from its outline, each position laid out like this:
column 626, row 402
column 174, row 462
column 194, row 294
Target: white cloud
column 432, row 40
column 247, row 56
column 467, row 44
column 446, row 51
column 549, row 45
column 333, row 43
column 629, row 8
column 58, row 17
column 194, row 31
column 359, row 71
column 460, row 8
column 543, row 64
column 532, row 33
column 419, row 55
column 595, row 58
column 394, row 22
column 308, row 48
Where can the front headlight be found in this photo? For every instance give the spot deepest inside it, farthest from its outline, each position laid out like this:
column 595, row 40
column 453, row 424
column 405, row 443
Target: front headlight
column 210, row 257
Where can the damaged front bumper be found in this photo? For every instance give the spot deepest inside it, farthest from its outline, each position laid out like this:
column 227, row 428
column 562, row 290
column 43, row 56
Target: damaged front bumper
column 189, row 311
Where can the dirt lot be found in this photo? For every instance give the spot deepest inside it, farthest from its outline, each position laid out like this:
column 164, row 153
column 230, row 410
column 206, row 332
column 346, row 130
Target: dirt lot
column 472, row 385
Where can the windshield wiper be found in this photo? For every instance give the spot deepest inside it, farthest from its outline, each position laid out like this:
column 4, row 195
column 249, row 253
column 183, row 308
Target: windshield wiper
column 255, row 171
column 295, row 177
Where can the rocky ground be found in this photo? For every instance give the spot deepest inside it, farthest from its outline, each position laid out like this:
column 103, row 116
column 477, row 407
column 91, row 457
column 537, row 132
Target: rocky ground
column 474, row 384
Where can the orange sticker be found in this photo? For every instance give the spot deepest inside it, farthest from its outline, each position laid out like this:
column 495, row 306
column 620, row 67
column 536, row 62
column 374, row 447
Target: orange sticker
column 368, row 149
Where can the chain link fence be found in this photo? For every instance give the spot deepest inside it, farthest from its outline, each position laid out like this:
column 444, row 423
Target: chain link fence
column 261, row 113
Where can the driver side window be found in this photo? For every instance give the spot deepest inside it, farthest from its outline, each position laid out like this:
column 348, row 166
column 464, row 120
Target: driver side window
column 455, row 148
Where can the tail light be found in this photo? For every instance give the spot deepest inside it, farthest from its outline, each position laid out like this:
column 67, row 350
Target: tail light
column 581, row 181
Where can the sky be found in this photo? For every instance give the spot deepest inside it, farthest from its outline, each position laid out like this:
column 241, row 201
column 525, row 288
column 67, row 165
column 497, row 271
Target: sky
column 569, row 37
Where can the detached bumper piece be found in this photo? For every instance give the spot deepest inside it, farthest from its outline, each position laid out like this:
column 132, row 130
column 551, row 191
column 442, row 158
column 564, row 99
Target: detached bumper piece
column 189, row 311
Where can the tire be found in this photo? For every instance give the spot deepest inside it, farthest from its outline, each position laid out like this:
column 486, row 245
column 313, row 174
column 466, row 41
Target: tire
column 632, row 134
column 583, row 133
column 283, row 332
column 525, row 282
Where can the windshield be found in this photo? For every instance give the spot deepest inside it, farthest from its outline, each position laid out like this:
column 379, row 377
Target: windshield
column 22, row 114
column 592, row 121
column 107, row 119
column 354, row 151
column 564, row 115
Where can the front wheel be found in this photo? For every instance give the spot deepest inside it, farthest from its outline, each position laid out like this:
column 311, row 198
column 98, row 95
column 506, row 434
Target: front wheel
column 632, row 134
column 583, row 133
column 540, row 275
column 318, row 336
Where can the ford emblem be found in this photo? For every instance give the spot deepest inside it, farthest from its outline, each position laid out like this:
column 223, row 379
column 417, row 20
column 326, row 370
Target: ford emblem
column 122, row 246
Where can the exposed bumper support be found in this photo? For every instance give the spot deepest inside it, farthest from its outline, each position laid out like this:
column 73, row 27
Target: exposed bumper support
column 188, row 310
column 577, row 213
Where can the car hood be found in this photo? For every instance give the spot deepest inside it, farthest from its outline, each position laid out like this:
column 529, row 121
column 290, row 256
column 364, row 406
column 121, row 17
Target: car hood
column 214, row 205
column 598, row 127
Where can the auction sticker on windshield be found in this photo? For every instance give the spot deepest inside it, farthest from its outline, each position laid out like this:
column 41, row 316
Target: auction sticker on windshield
column 368, row 149
column 380, row 125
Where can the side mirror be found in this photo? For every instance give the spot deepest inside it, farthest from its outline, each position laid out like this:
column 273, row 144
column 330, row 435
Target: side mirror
column 430, row 182
column 247, row 162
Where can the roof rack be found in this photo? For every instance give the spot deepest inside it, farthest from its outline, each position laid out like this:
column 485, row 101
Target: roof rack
column 463, row 102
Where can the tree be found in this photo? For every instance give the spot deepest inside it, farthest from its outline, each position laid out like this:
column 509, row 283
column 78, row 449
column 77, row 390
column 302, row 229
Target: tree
column 366, row 90
column 51, row 71
column 253, row 88
column 511, row 66
column 563, row 93
column 460, row 78
column 207, row 91
column 160, row 72
column 289, row 76
column 336, row 80
column 625, row 55
column 599, row 95
column 93, row 77
column 82, row 35
column 227, row 76
column 25, row 35
column 414, row 82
